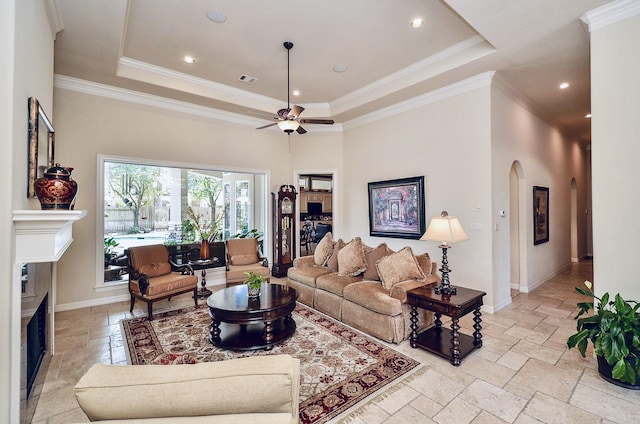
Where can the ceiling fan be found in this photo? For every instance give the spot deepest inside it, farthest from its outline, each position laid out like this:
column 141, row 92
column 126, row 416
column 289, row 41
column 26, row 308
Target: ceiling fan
column 288, row 119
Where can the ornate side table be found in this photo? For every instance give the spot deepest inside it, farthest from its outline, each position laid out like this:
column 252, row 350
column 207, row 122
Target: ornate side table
column 458, row 345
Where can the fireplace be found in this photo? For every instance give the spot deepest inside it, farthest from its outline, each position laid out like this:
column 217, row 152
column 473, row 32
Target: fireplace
column 36, row 342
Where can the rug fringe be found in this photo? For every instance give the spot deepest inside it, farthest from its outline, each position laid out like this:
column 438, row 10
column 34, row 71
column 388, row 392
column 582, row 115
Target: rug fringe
column 417, row 372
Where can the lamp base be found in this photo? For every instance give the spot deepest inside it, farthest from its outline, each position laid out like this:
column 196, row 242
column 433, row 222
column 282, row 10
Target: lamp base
column 445, row 289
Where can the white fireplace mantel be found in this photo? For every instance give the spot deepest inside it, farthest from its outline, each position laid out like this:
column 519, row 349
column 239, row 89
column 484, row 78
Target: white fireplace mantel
column 43, row 235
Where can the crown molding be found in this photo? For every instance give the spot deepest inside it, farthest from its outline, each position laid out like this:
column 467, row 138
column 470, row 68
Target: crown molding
column 461, row 53
column 130, row 96
column 54, row 16
column 455, row 89
column 611, row 13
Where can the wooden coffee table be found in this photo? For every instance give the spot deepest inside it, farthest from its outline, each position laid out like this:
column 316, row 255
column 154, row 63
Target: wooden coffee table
column 242, row 323
column 457, row 345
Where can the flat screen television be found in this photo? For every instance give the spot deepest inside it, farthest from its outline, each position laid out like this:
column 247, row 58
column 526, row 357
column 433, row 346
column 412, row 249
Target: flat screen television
column 314, row 208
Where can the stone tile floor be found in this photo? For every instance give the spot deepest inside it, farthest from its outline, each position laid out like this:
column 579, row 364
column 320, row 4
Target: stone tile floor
column 523, row 374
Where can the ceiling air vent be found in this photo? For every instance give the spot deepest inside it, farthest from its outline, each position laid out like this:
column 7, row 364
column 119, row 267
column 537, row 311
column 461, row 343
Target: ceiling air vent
column 248, row 79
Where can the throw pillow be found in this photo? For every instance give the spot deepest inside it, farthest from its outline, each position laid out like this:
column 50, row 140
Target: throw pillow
column 246, row 259
column 372, row 256
column 324, row 249
column 351, row 261
column 425, row 263
column 399, row 266
column 332, row 263
column 155, row 269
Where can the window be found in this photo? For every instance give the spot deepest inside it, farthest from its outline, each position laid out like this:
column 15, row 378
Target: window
column 146, row 202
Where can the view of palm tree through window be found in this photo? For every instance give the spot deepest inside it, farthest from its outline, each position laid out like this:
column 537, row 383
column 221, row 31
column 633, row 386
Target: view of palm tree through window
column 148, row 204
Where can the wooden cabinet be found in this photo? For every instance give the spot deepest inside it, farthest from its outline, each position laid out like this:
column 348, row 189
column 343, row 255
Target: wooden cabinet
column 325, row 198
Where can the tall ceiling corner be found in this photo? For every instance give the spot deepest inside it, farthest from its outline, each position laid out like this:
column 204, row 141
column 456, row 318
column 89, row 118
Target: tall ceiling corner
column 54, row 16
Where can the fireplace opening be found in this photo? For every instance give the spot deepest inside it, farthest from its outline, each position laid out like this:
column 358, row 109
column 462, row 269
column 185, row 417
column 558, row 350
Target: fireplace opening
column 36, row 342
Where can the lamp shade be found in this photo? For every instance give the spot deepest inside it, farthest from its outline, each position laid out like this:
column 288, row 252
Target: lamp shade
column 288, row 125
column 445, row 229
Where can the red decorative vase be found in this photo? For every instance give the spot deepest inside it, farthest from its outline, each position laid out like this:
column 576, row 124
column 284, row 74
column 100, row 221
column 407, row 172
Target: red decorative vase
column 56, row 190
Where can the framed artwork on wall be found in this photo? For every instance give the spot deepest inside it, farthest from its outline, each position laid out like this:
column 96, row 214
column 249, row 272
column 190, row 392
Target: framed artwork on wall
column 396, row 208
column 540, row 214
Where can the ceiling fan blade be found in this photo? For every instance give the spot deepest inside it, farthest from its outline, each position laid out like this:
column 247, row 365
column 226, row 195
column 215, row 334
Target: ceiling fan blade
column 283, row 113
column 295, row 112
column 301, row 130
column 267, row 126
column 316, row 121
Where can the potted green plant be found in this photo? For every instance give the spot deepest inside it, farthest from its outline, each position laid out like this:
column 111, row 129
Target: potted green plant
column 110, row 243
column 253, row 282
column 614, row 330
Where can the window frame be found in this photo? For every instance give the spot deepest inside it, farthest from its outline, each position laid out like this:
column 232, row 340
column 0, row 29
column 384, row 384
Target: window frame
column 100, row 285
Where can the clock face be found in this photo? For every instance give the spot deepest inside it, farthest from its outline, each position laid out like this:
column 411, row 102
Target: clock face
column 287, row 205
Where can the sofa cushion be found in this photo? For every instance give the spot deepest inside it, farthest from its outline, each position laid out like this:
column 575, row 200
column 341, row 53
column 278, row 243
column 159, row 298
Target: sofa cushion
column 399, row 266
column 111, row 392
column 351, row 261
column 307, row 275
column 335, row 283
column 324, row 249
column 155, row 269
column 373, row 255
column 246, row 259
column 425, row 262
column 373, row 296
column 332, row 263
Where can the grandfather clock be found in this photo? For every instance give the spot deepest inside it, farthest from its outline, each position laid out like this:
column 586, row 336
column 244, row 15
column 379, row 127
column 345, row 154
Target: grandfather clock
column 284, row 230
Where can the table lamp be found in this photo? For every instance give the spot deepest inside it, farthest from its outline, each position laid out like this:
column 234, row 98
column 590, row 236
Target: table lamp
column 445, row 229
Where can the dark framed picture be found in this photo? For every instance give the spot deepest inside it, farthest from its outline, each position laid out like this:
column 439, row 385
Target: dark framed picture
column 540, row 214
column 396, row 208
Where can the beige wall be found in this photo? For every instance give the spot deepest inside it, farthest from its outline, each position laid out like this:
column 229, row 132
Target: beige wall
column 447, row 142
column 88, row 125
column 26, row 46
column 615, row 67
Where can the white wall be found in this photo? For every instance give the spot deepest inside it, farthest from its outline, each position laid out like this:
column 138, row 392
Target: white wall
column 615, row 104
column 88, row 125
column 26, row 47
column 448, row 142
column 549, row 160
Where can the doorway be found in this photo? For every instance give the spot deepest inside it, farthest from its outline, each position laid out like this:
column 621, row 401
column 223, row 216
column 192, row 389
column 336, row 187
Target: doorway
column 517, row 226
column 317, row 207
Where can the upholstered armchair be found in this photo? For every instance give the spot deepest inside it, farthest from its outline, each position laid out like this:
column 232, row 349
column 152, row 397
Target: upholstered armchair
column 152, row 276
column 243, row 256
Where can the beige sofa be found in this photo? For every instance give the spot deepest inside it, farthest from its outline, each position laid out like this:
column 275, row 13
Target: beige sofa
column 364, row 287
column 262, row 389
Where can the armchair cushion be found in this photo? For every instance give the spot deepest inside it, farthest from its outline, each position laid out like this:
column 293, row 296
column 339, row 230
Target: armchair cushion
column 246, row 259
column 155, row 269
column 165, row 284
column 399, row 266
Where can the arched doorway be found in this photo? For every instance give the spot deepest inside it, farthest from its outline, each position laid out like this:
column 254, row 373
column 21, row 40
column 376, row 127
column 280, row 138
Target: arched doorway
column 574, row 221
column 517, row 221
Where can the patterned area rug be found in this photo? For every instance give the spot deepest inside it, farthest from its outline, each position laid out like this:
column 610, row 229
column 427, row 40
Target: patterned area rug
column 339, row 366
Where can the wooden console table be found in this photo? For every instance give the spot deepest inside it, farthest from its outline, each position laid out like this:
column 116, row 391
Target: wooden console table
column 458, row 345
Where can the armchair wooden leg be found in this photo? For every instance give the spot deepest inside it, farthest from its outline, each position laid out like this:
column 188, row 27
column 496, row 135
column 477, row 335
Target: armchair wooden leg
column 150, row 310
column 195, row 296
column 133, row 301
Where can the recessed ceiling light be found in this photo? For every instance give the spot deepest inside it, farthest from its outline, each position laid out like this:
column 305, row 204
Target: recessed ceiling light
column 217, row 17
column 417, row 23
column 339, row 68
column 564, row 85
column 588, row 115
column 296, row 92
column 189, row 59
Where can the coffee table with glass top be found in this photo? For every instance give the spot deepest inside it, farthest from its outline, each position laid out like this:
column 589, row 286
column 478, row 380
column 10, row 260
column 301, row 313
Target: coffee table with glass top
column 239, row 322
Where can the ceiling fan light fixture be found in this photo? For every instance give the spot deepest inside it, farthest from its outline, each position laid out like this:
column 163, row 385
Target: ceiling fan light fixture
column 288, row 125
